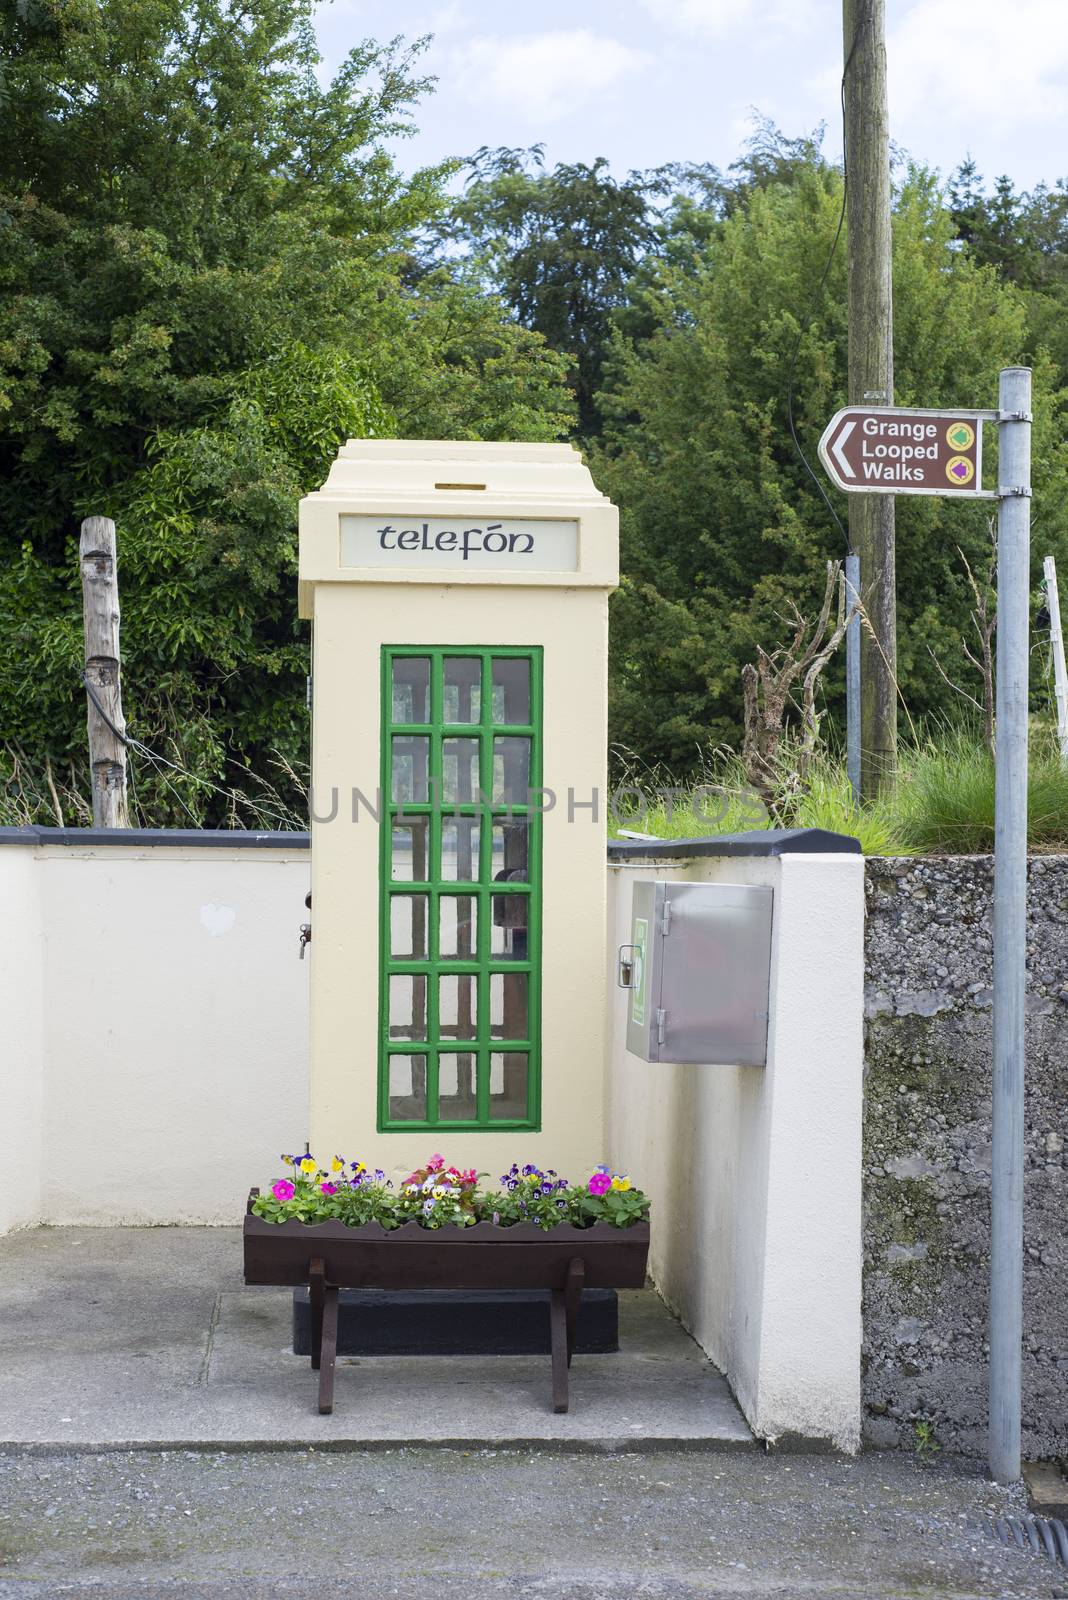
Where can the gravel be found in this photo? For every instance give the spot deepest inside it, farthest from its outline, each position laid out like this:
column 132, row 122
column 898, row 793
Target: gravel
column 552, row 1526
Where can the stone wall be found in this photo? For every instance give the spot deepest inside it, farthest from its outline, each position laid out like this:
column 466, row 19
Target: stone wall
column 928, row 960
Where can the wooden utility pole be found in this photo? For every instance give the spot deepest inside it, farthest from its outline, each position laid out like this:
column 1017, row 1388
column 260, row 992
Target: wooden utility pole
column 100, row 607
column 871, row 371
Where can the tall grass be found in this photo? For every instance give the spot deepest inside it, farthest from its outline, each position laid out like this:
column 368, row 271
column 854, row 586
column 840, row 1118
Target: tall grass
column 944, row 801
column 942, row 804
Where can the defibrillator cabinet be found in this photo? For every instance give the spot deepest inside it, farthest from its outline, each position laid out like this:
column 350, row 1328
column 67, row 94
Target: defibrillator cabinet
column 698, row 972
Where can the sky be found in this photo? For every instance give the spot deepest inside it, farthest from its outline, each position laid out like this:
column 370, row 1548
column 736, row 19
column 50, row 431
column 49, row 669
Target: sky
column 643, row 82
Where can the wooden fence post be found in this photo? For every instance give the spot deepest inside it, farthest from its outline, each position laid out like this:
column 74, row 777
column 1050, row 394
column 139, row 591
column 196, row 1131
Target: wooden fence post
column 100, row 606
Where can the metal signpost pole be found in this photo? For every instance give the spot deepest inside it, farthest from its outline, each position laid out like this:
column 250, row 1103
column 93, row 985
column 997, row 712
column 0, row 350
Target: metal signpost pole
column 852, row 595
column 1010, row 923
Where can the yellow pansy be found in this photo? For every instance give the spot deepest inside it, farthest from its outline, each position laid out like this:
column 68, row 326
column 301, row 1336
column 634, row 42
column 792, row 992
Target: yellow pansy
column 620, row 1183
column 308, row 1165
column 337, row 1164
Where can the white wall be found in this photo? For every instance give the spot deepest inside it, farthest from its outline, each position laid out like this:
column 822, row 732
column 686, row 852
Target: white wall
column 755, row 1174
column 158, row 1060
column 21, row 1022
column 154, row 1064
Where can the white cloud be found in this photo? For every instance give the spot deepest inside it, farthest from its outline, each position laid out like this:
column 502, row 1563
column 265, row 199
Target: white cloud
column 982, row 65
column 543, row 75
column 764, row 21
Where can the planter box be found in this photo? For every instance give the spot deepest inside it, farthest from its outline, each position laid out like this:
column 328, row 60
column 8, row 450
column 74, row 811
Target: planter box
column 329, row 1256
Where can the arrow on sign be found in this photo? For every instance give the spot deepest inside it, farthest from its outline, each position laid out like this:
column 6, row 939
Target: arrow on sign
column 839, row 453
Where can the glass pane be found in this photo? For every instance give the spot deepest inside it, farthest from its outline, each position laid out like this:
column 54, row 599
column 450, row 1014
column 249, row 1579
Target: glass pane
column 508, row 1005
column 457, row 1081
column 408, row 854
column 508, row 936
column 408, row 928
column 459, row 849
column 508, row 1085
column 459, row 759
column 511, row 689
column 411, row 760
column 462, row 689
column 407, row 1088
column 411, row 689
column 458, row 1005
column 511, row 771
column 510, row 853
column 458, row 929
column 407, row 1005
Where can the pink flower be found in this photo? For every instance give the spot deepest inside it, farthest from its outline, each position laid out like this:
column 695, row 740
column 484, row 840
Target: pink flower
column 328, row 1188
column 282, row 1189
column 600, row 1183
column 469, row 1175
column 435, row 1163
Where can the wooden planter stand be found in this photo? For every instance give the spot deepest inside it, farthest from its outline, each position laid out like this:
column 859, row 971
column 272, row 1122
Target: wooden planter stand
column 329, row 1256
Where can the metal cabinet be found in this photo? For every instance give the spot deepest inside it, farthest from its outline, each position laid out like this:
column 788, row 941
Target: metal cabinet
column 698, row 972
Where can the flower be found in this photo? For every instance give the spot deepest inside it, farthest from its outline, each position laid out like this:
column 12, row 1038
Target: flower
column 428, row 1206
column 328, row 1188
column 282, row 1189
column 600, row 1183
column 620, row 1183
column 337, row 1165
column 357, row 1166
column 435, row 1163
column 308, row 1164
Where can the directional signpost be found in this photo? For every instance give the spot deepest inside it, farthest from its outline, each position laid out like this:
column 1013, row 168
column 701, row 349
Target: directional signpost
column 894, row 450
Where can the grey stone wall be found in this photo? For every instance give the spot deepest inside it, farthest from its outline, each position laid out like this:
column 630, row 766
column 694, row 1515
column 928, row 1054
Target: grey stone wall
column 927, row 1153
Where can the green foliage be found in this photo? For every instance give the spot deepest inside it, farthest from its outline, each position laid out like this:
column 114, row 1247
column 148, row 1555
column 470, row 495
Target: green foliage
column 566, row 248
column 561, row 247
column 720, row 523
column 205, row 257
column 944, row 804
column 924, row 1442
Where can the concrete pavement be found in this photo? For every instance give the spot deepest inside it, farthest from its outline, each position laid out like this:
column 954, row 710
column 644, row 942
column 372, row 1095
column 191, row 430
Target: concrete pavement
column 118, row 1337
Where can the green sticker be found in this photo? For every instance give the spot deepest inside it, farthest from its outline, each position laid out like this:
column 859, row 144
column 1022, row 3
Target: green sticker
column 637, row 994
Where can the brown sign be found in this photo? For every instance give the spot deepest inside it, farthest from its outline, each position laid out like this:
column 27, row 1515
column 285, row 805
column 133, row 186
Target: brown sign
column 891, row 450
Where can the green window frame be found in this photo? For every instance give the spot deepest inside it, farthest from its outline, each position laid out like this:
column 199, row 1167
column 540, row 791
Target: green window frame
column 459, row 955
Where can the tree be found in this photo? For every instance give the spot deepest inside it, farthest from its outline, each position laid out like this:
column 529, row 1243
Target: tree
column 1024, row 238
column 205, row 262
column 722, row 527
column 561, row 247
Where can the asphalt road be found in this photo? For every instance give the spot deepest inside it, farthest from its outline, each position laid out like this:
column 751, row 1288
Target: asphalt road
column 475, row 1526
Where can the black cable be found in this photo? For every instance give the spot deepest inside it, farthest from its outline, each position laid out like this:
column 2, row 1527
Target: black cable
column 140, row 749
column 817, row 295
